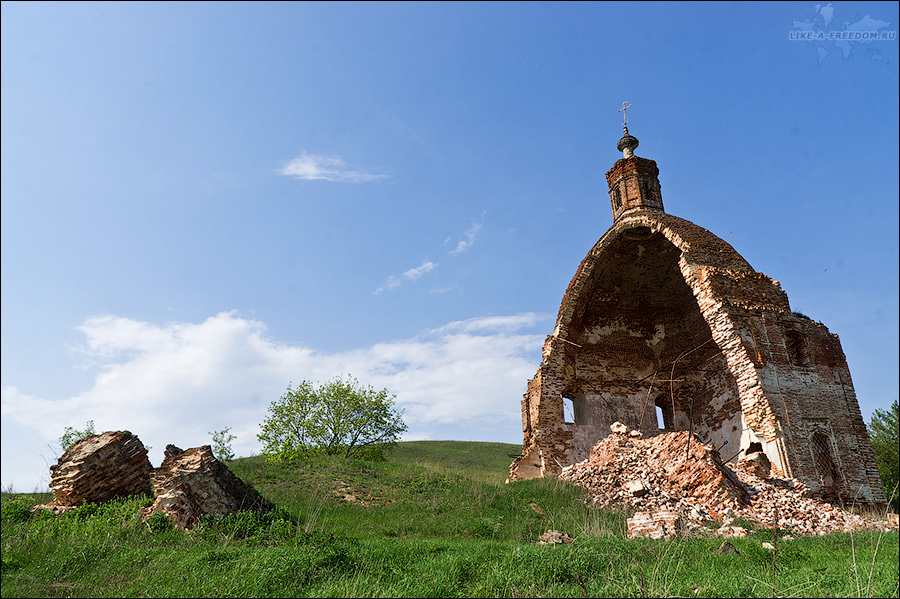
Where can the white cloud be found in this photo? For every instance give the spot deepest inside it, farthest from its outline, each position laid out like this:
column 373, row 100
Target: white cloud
column 413, row 274
column 495, row 324
column 311, row 167
column 174, row 383
column 391, row 283
column 469, row 235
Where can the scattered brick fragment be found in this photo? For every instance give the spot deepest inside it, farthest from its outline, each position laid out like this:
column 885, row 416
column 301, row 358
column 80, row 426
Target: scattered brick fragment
column 732, row 531
column 656, row 525
column 727, row 548
column 555, row 537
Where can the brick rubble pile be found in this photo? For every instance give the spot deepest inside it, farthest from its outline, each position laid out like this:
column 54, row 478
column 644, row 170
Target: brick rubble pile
column 673, row 485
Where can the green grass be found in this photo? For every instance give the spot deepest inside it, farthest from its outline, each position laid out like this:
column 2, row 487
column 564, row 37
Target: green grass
column 435, row 520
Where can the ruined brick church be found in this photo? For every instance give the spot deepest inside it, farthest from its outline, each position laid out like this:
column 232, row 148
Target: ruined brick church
column 664, row 317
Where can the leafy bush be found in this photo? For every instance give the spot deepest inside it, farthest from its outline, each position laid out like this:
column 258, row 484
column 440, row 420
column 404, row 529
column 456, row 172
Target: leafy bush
column 159, row 522
column 73, row 435
column 222, row 444
column 14, row 511
column 884, row 433
column 337, row 418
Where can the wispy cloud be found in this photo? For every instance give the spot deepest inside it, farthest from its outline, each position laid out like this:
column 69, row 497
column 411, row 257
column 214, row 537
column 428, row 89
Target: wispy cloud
column 413, row 274
column 469, row 238
column 173, row 383
column 493, row 324
column 391, row 283
column 312, row 167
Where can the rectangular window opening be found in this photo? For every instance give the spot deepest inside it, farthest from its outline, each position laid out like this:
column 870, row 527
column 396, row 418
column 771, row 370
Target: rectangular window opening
column 574, row 409
column 569, row 410
column 664, row 417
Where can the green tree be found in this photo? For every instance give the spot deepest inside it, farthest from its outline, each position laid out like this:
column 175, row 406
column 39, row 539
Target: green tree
column 72, row 435
column 337, row 418
column 884, row 433
column 221, row 445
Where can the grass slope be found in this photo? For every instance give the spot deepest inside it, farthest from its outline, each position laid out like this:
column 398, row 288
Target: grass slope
column 435, row 520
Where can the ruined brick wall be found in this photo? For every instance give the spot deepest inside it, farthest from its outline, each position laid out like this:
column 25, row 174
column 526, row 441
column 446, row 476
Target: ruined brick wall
column 802, row 363
column 663, row 313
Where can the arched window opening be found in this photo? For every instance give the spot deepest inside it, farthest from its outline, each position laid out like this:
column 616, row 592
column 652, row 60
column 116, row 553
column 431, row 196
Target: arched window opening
column 824, row 463
column 796, row 347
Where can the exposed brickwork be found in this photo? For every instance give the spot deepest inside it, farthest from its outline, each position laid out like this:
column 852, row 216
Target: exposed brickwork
column 663, row 314
column 633, row 183
column 99, row 468
column 191, row 483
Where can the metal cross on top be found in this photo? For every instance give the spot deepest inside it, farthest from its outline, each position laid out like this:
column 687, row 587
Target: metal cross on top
column 624, row 111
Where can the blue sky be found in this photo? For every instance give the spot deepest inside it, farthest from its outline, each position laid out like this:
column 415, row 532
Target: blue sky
column 204, row 202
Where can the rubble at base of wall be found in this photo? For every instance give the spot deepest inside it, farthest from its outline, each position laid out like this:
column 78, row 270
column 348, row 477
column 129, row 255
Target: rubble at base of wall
column 676, row 487
column 661, row 471
column 656, row 525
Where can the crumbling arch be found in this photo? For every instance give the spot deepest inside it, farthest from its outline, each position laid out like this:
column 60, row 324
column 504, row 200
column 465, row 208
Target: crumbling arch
column 631, row 334
column 829, row 475
column 642, row 318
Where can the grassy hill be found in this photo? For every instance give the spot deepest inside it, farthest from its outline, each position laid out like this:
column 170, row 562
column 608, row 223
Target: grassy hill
column 434, row 520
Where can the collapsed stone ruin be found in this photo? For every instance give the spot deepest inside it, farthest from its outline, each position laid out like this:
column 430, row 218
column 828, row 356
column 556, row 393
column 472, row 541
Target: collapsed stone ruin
column 675, row 482
column 99, row 468
column 189, row 484
column 663, row 317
